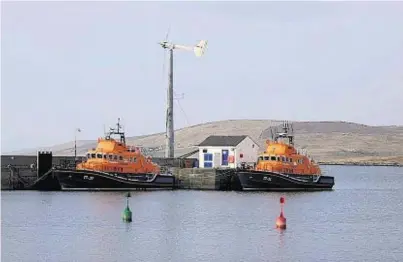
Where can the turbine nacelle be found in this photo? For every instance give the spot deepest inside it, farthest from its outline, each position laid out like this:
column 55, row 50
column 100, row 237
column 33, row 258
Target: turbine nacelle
column 166, row 45
column 198, row 49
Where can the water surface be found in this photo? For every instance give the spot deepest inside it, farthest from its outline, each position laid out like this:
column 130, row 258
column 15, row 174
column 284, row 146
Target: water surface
column 361, row 220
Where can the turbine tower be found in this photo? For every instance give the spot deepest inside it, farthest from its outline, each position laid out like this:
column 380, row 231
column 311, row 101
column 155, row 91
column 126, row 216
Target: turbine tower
column 198, row 50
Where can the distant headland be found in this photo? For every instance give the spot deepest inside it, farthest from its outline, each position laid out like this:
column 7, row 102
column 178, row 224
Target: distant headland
column 329, row 142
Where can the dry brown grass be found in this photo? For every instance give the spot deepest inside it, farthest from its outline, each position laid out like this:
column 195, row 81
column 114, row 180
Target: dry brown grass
column 325, row 141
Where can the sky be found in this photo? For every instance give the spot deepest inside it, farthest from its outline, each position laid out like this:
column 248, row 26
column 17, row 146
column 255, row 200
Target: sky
column 68, row 65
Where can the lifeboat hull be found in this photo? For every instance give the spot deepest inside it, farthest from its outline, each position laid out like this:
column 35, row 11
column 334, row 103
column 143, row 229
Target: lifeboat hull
column 88, row 180
column 272, row 181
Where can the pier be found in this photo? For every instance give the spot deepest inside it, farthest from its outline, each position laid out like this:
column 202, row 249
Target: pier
column 18, row 172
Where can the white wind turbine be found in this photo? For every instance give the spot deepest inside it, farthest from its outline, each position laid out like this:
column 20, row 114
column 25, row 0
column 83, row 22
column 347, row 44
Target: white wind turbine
column 198, row 50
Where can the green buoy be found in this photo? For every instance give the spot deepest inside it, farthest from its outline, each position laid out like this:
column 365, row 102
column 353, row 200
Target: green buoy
column 127, row 213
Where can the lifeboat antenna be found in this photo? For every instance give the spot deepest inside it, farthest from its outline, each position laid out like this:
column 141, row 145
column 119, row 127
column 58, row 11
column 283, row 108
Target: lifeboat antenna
column 198, row 50
column 118, row 125
column 292, row 129
column 271, row 131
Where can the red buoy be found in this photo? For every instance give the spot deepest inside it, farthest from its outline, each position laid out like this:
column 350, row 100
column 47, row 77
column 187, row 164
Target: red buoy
column 281, row 221
column 282, row 200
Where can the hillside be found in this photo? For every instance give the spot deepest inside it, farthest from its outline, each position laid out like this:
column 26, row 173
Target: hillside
column 325, row 141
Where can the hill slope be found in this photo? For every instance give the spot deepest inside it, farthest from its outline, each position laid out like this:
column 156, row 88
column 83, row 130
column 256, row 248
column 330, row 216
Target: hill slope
column 325, row 141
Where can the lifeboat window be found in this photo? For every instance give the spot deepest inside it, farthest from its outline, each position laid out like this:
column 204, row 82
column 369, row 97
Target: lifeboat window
column 273, row 158
column 99, row 155
column 110, row 157
column 259, row 158
column 266, row 158
column 93, row 155
column 88, row 155
column 115, row 157
column 291, row 160
column 134, row 159
column 283, row 158
column 120, row 157
column 278, row 158
column 105, row 156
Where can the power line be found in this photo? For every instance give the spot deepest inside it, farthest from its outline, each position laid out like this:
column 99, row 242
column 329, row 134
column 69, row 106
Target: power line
column 181, row 108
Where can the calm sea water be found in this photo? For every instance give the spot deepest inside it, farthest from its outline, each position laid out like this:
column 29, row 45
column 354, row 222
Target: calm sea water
column 361, row 220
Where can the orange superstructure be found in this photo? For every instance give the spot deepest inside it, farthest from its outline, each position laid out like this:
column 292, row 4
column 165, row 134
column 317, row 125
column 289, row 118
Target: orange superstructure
column 282, row 157
column 114, row 156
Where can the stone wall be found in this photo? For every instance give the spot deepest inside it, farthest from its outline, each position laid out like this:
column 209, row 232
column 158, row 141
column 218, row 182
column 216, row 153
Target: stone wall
column 196, row 178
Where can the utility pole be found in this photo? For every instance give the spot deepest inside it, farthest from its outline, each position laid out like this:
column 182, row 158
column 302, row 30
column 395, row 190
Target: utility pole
column 77, row 130
column 170, row 139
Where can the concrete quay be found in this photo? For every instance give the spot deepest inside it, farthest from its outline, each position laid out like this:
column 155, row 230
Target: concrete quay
column 18, row 171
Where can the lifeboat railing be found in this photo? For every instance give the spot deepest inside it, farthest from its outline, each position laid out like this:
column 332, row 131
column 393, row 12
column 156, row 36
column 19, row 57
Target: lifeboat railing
column 115, row 175
column 315, row 178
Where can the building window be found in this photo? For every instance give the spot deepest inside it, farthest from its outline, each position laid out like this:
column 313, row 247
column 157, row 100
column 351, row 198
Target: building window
column 224, row 154
column 208, row 157
column 208, row 164
column 208, row 160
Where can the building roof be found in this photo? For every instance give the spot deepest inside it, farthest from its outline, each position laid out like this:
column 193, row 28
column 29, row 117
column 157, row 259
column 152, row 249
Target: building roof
column 222, row 140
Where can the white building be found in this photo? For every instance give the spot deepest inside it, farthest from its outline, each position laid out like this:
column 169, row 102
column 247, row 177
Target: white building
column 227, row 151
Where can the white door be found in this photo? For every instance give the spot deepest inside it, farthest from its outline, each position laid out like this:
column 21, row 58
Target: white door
column 217, row 159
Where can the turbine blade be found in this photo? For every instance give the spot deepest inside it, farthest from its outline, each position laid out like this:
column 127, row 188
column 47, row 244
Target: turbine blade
column 167, row 34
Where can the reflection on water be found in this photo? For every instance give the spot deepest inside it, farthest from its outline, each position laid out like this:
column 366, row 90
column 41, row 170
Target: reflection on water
column 281, row 233
column 347, row 224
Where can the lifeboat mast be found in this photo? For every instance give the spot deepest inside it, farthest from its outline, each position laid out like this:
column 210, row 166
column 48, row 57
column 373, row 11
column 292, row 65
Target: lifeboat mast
column 113, row 131
column 287, row 127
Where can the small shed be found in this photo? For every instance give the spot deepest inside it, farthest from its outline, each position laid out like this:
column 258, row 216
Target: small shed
column 227, row 151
